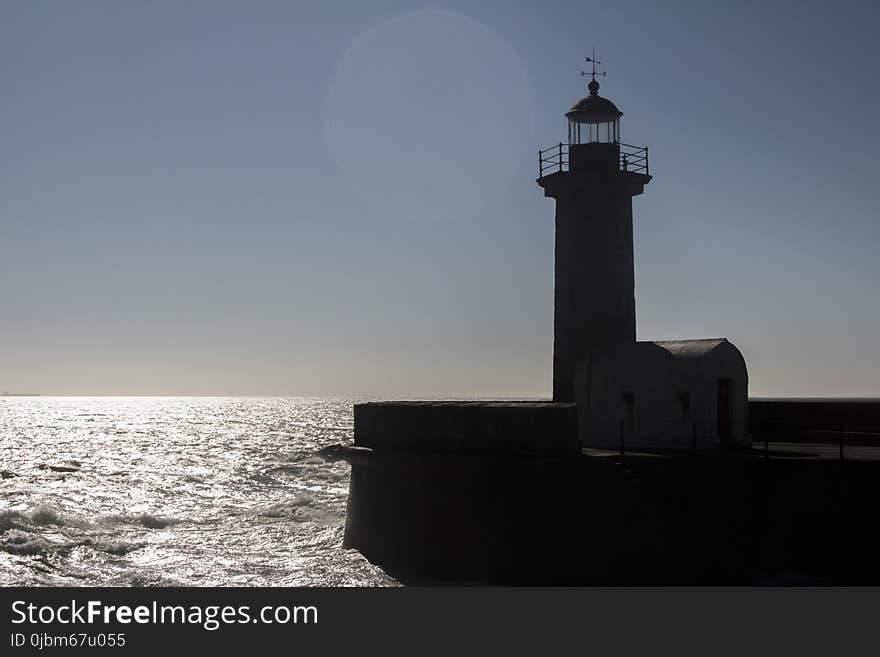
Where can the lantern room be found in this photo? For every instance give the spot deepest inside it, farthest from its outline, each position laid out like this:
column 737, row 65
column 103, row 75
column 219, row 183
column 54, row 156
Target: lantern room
column 593, row 119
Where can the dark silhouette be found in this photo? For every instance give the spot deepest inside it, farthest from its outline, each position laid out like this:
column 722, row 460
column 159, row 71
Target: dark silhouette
column 516, row 493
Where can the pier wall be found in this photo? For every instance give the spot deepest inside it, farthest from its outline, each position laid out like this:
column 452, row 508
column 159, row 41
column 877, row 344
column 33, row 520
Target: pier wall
column 815, row 420
column 499, row 493
column 480, row 492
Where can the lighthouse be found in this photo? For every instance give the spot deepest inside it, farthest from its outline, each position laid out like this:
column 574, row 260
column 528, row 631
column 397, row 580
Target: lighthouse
column 593, row 179
column 672, row 393
column 493, row 490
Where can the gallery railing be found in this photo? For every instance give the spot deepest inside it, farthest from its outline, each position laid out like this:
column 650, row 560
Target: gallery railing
column 633, row 159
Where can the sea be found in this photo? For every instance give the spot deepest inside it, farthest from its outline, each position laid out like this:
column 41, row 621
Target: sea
column 175, row 491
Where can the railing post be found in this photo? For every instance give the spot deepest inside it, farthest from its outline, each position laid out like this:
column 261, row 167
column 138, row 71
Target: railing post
column 560, row 156
column 540, row 164
column 647, row 170
column 766, row 442
column 625, row 163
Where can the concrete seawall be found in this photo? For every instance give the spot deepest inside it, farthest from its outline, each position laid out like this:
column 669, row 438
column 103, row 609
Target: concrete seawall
column 467, row 426
column 465, row 491
column 468, row 493
column 815, row 420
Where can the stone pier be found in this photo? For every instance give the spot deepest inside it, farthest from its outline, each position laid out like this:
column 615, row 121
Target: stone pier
column 465, row 491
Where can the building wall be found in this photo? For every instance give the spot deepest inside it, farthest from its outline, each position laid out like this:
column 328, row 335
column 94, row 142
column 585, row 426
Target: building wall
column 595, row 288
column 660, row 396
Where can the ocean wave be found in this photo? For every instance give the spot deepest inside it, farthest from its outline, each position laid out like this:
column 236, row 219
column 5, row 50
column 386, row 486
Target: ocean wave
column 303, row 499
column 147, row 520
column 118, row 548
column 45, row 515
column 65, row 466
column 174, row 491
column 11, row 520
column 40, row 530
column 313, row 468
column 292, row 509
column 16, row 541
column 40, row 516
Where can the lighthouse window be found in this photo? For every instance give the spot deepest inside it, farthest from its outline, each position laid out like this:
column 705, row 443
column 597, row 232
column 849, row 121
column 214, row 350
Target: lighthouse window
column 607, row 132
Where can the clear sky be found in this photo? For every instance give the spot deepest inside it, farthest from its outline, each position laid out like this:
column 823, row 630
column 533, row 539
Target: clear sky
column 339, row 197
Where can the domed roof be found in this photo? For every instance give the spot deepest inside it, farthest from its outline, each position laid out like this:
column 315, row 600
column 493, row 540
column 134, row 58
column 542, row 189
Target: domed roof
column 593, row 108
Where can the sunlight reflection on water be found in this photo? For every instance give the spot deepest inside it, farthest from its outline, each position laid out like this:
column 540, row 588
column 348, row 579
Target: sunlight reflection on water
column 175, row 491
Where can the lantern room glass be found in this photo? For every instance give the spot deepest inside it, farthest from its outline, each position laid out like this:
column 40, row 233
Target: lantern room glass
column 604, row 132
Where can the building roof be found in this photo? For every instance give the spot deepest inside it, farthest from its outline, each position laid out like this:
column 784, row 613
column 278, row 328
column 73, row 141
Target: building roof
column 685, row 362
column 593, row 108
column 691, row 348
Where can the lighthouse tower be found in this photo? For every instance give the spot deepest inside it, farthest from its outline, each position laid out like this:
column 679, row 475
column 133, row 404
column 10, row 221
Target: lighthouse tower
column 593, row 179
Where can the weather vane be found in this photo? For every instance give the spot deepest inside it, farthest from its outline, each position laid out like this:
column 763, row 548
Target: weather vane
column 592, row 60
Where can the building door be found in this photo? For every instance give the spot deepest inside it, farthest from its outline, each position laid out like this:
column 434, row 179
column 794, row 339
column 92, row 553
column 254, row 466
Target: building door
column 723, row 414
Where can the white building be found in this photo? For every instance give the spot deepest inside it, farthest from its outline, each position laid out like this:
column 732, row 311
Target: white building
column 663, row 395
